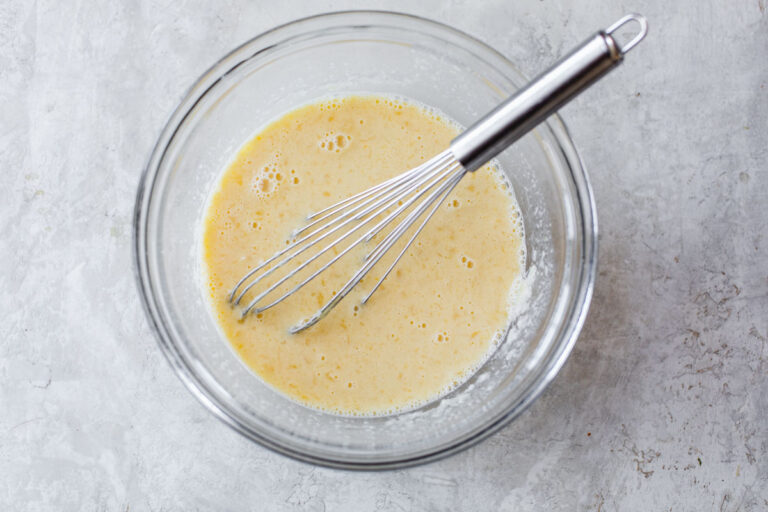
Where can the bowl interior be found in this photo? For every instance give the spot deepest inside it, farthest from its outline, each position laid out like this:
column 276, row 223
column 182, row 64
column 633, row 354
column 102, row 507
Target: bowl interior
column 360, row 53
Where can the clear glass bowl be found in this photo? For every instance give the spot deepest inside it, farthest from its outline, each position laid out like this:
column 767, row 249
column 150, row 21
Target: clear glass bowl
column 357, row 52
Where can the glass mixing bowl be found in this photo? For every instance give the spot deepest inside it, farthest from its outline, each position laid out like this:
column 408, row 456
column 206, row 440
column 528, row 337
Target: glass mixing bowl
column 359, row 52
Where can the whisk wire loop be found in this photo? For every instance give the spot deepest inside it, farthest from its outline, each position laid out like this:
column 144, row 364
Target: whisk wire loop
column 400, row 193
column 387, row 196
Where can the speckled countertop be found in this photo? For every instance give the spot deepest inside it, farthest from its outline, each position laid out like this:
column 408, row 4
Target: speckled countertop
column 663, row 404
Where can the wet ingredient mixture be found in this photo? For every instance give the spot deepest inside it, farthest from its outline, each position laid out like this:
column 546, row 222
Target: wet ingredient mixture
column 435, row 319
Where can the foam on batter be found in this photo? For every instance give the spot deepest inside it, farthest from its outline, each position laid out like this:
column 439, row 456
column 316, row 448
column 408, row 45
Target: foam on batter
column 437, row 317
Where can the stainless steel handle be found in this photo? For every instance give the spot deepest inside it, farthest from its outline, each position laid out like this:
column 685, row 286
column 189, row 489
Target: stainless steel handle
column 544, row 95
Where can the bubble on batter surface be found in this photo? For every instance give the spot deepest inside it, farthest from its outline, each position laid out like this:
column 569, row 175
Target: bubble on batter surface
column 334, row 142
column 441, row 337
column 268, row 178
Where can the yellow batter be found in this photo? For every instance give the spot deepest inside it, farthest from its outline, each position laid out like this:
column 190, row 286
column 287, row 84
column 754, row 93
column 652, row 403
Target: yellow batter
column 435, row 318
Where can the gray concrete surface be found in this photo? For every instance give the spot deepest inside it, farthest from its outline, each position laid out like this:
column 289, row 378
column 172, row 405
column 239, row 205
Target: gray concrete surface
column 663, row 404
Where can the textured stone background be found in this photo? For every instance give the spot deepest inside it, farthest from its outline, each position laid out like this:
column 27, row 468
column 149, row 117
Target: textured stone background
column 662, row 406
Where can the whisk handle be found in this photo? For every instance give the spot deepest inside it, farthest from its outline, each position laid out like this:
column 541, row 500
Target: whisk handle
column 546, row 93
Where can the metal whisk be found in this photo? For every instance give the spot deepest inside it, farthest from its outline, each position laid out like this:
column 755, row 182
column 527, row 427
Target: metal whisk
column 415, row 195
